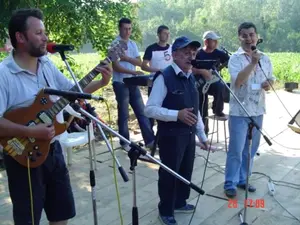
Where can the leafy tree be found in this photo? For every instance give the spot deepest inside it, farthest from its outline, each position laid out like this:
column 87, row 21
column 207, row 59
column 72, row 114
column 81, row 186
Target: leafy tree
column 76, row 21
column 277, row 21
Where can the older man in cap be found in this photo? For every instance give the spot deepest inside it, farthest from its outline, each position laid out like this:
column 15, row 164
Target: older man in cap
column 173, row 102
column 212, row 56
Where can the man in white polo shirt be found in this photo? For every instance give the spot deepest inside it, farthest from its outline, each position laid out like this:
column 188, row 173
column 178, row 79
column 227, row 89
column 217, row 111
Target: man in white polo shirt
column 251, row 74
column 129, row 94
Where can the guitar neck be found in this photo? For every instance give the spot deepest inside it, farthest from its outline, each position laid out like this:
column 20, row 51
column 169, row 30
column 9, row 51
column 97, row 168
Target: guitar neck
column 63, row 102
column 89, row 77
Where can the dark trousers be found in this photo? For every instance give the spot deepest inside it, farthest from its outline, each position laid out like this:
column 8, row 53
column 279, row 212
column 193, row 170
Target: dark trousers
column 216, row 90
column 51, row 189
column 130, row 94
column 177, row 153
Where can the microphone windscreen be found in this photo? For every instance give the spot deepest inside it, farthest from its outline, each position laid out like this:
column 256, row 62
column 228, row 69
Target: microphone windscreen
column 50, row 47
column 253, row 47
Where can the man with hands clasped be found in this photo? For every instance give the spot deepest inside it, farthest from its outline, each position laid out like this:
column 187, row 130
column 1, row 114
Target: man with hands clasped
column 173, row 102
column 251, row 75
column 129, row 94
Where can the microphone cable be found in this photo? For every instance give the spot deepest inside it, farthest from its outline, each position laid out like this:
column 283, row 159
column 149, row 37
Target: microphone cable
column 114, row 166
column 283, row 107
column 30, row 192
column 206, row 164
column 276, row 182
column 253, row 48
column 274, row 90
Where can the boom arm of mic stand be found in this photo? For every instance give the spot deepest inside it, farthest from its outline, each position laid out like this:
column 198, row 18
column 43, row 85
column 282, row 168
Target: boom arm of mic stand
column 141, row 150
column 245, row 110
column 121, row 169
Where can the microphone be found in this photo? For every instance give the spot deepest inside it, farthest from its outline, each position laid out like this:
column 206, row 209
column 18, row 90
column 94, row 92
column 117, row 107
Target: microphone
column 225, row 50
column 253, row 48
column 203, row 64
column 53, row 48
column 71, row 95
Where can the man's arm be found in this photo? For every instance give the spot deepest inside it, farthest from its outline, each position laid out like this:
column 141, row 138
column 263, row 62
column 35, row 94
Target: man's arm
column 244, row 74
column 200, row 132
column 134, row 61
column 63, row 83
column 146, row 61
column 106, row 72
column 11, row 129
column 120, row 69
column 148, row 68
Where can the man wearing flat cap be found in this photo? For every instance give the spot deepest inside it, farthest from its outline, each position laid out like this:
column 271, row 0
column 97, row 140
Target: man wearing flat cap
column 173, row 102
column 219, row 58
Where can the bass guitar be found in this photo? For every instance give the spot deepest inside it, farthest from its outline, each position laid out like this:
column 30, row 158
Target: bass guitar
column 32, row 151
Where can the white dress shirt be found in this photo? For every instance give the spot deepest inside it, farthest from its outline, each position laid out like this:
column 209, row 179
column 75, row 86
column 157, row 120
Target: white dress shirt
column 154, row 109
column 250, row 94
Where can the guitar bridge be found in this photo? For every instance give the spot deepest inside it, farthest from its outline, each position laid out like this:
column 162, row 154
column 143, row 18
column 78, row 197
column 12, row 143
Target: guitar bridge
column 16, row 146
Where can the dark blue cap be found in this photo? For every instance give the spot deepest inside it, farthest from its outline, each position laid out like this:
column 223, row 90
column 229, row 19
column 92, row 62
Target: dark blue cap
column 182, row 42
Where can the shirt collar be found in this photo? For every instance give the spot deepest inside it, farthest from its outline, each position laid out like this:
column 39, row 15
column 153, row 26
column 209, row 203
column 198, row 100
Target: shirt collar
column 241, row 51
column 119, row 38
column 178, row 70
column 15, row 68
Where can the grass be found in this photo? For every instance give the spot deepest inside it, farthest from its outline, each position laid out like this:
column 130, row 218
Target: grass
column 286, row 68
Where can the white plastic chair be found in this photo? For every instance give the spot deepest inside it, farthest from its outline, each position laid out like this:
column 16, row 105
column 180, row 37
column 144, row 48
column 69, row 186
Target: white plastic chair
column 70, row 140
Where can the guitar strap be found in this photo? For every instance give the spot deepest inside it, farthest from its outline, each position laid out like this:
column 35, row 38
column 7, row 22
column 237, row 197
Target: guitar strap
column 46, row 79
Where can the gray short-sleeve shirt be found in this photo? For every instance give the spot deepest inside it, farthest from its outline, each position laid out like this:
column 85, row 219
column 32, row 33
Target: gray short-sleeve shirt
column 19, row 87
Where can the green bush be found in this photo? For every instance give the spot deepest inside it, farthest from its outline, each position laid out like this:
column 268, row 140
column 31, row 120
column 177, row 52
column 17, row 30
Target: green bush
column 286, row 66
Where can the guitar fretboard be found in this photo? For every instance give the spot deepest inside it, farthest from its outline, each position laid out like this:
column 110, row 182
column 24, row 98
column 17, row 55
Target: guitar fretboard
column 63, row 102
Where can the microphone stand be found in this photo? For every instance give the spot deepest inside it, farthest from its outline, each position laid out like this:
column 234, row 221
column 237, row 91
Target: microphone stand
column 92, row 110
column 134, row 153
column 251, row 125
column 92, row 173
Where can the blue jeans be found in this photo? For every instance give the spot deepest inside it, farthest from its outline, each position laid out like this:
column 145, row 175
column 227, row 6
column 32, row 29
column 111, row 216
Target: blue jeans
column 130, row 94
column 236, row 162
